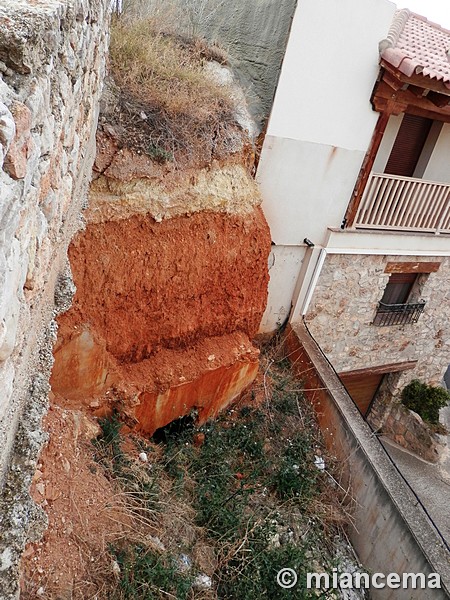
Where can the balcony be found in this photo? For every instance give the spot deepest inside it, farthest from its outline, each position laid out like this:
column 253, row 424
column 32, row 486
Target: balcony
column 391, row 202
column 398, row 314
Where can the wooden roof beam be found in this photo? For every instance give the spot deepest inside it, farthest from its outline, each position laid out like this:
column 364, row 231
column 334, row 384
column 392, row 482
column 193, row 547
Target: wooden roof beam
column 418, row 80
column 438, row 100
column 406, row 101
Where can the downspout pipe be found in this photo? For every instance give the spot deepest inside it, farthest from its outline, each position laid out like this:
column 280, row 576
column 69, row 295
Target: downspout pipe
column 314, row 280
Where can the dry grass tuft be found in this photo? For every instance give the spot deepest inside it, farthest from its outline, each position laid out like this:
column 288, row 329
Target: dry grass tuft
column 167, row 95
column 159, row 70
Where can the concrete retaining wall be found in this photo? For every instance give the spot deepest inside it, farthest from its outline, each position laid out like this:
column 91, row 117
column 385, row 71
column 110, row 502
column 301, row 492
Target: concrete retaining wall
column 391, row 532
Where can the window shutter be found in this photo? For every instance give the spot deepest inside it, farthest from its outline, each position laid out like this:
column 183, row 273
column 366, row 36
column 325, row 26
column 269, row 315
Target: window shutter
column 398, row 288
column 408, row 145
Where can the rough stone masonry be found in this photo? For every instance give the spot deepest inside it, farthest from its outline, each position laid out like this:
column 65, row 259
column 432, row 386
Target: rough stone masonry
column 342, row 312
column 52, row 59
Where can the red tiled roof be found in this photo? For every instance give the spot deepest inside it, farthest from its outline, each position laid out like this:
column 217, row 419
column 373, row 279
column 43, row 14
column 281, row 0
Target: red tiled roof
column 414, row 45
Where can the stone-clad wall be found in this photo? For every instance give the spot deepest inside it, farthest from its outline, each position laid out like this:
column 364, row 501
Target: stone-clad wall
column 344, row 305
column 52, row 57
column 408, row 430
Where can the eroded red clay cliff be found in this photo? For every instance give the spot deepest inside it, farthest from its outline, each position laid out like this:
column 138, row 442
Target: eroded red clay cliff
column 166, row 306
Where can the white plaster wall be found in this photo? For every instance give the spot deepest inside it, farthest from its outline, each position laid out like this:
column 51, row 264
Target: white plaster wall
column 305, row 187
column 438, row 168
column 349, row 241
column 328, row 72
column 321, row 124
column 284, row 266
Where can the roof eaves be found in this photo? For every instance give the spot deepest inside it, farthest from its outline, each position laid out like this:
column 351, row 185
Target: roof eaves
column 397, row 26
column 400, row 59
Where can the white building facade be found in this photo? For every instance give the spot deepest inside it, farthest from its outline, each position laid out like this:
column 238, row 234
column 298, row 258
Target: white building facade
column 355, row 176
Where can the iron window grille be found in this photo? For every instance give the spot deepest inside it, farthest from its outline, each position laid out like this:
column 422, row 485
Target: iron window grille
column 398, row 314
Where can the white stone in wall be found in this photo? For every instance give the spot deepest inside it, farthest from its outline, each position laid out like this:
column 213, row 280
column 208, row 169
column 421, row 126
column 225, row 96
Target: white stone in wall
column 7, row 131
column 6, row 385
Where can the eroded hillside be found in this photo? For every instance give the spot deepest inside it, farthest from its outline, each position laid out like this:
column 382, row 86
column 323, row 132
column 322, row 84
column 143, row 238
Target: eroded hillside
column 171, row 269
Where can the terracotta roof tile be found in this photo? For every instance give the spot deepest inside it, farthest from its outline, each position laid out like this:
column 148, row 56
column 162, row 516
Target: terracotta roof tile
column 415, row 45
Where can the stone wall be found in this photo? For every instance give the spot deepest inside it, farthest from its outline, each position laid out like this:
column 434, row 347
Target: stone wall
column 344, row 305
column 408, row 430
column 52, row 57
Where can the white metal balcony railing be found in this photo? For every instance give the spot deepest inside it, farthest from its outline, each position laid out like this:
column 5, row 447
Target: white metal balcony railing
column 404, row 204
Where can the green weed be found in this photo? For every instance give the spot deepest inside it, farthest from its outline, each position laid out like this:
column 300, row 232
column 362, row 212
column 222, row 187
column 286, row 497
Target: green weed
column 253, row 492
column 150, row 576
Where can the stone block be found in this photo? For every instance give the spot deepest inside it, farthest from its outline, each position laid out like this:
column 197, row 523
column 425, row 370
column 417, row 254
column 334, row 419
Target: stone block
column 415, row 418
column 7, row 131
column 8, row 330
column 399, row 427
column 15, row 163
column 410, row 437
column 7, row 373
column 389, row 423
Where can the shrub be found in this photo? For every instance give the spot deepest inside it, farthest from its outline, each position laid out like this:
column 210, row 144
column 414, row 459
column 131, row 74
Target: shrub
column 296, row 475
column 145, row 574
column 426, row 400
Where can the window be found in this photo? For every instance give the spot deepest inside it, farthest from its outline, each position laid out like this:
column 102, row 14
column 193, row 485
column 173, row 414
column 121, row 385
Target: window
column 399, row 288
column 396, row 307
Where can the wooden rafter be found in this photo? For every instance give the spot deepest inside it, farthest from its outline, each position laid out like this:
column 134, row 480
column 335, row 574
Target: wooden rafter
column 406, row 100
column 419, row 80
column 380, row 369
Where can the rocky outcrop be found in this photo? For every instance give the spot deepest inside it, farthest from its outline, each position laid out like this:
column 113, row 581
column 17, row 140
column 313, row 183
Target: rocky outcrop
column 171, row 277
column 51, row 68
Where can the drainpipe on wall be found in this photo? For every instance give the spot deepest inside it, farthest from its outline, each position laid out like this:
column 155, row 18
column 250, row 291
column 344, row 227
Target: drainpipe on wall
column 314, row 280
column 307, row 282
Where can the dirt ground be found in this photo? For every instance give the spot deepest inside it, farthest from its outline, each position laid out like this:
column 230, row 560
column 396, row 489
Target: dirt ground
column 168, row 329
column 84, row 514
column 142, row 285
column 90, row 512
